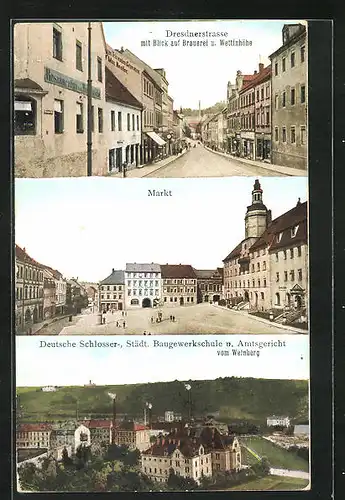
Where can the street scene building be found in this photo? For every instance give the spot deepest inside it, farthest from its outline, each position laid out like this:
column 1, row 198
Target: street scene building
column 179, row 284
column 50, row 94
column 289, row 98
column 267, row 270
column 112, row 292
column 210, row 284
column 143, row 285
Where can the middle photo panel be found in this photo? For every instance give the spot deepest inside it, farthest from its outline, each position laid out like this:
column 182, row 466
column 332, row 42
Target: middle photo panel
column 163, row 256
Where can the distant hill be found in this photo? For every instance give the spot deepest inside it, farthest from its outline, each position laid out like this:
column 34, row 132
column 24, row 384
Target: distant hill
column 233, row 398
column 206, row 111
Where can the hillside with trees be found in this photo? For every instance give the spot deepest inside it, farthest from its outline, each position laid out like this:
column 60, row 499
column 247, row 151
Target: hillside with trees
column 206, row 111
column 231, row 398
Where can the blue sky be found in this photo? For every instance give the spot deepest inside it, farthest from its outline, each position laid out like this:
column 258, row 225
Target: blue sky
column 110, row 366
column 84, row 227
column 199, row 73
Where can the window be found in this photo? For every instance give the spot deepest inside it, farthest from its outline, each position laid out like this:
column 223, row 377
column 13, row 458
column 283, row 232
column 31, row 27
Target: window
column 284, row 253
column 276, row 69
column 283, row 64
column 303, row 135
column 291, row 253
column 100, row 120
column 79, row 118
column 276, row 134
column 285, row 275
column 293, row 135
column 302, row 53
column 262, row 93
column 300, row 275
column 78, row 56
column 284, row 134
column 137, row 122
column 277, row 277
column 57, row 44
column 58, row 116
column 112, row 120
column 128, row 121
column 257, row 95
column 277, row 257
column 99, row 69
column 299, row 251
column 276, row 101
column 119, row 120
column 292, row 59
column 292, row 97
column 133, row 122
column 302, row 94
column 25, row 116
column 292, row 275
column 284, row 99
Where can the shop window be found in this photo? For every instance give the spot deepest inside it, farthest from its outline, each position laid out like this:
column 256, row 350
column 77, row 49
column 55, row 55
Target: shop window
column 25, row 113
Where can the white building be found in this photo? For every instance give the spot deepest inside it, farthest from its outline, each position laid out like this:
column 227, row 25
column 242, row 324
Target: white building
column 169, row 416
column 49, row 388
column 143, row 285
column 281, row 421
column 123, row 116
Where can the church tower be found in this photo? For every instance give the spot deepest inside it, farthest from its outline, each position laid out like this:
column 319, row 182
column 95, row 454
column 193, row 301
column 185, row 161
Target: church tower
column 257, row 217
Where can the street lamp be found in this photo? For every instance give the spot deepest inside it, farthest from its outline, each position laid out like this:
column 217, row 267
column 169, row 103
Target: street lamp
column 169, row 143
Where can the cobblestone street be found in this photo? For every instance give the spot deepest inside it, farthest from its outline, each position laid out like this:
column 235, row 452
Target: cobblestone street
column 202, row 318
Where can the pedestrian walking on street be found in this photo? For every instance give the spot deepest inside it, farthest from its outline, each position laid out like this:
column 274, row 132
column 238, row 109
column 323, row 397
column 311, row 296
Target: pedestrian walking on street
column 173, row 318
column 151, row 319
column 112, row 311
column 124, row 324
column 170, row 317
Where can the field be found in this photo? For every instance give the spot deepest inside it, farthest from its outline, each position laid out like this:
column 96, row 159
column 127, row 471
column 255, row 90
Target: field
column 275, row 483
column 277, row 457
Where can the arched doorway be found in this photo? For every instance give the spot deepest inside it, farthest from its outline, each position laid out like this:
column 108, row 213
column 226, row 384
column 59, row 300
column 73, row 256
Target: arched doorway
column 298, row 302
column 146, row 302
column 181, row 301
column 216, row 298
column 134, row 302
column 246, row 296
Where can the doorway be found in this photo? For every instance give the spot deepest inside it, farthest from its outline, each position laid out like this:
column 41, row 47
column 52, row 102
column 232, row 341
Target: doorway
column 146, row 302
column 181, row 301
column 118, row 159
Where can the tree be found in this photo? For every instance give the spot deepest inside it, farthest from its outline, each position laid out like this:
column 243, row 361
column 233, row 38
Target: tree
column 66, row 460
column 181, row 483
column 132, row 458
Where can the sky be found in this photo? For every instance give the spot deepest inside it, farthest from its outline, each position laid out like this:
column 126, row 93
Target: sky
column 199, row 73
column 85, row 227
column 109, row 366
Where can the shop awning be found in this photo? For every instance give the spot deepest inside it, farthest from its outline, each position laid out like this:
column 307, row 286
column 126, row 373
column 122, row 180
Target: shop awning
column 155, row 137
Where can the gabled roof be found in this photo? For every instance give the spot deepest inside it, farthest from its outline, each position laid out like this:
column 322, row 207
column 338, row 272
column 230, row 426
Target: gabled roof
column 22, row 255
column 297, row 216
column 115, row 278
column 236, row 252
column 258, row 78
column 177, row 271
column 116, row 91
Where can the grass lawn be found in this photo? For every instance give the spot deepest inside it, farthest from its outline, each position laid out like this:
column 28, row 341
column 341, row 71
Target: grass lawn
column 272, row 483
column 247, row 458
column 277, row 457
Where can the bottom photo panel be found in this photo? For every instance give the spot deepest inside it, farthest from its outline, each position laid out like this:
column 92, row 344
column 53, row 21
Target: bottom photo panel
column 205, row 413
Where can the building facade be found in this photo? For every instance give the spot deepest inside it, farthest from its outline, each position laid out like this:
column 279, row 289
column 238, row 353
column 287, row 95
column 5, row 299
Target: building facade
column 179, row 285
column 132, row 435
column 123, row 127
column 247, row 117
column 183, row 457
column 143, row 285
column 100, row 430
column 281, row 421
column 50, row 99
column 33, row 436
column 209, row 284
column 29, row 290
column 262, row 89
column 112, row 292
column 268, row 270
column 49, row 295
column 290, row 99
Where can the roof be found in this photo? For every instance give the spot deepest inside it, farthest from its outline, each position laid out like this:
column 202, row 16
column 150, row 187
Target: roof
column 131, row 426
column 115, row 90
column 38, row 427
column 115, row 278
column 143, row 267
column 258, row 78
column 56, row 274
column 208, row 273
column 297, row 216
column 22, row 255
column 166, row 447
column 236, row 252
column 177, row 271
column 299, row 34
column 97, row 424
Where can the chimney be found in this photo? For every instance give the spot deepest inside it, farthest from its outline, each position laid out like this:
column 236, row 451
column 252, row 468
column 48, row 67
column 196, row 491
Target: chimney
column 255, row 72
column 261, row 67
column 113, row 270
column 298, row 202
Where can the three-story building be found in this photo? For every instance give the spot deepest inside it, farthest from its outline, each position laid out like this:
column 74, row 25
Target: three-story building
column 112, row 292
column 179, row 284
column 143, row 285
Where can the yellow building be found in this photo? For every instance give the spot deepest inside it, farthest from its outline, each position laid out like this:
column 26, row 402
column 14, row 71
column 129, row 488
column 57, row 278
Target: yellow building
column 132, row 435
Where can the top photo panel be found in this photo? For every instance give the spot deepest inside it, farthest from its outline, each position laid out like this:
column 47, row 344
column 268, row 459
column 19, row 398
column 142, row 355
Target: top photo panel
column 160, row 98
